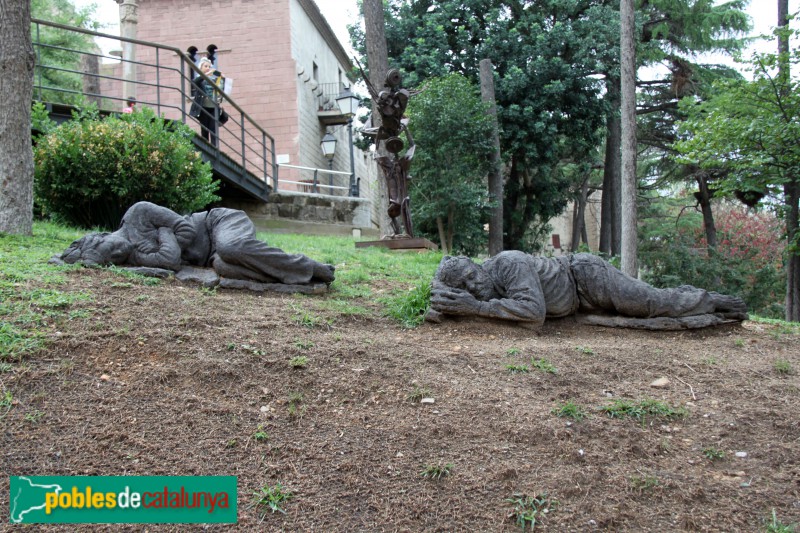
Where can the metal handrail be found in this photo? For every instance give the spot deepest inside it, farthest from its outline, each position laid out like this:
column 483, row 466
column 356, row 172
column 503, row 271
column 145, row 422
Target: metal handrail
column 256, row 153
column 314, row 184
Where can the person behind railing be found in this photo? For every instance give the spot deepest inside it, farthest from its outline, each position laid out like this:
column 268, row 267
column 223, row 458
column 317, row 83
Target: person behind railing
column 131, row 105
column 206, row 100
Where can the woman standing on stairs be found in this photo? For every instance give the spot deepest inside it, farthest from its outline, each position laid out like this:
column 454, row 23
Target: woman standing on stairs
column 206, row 100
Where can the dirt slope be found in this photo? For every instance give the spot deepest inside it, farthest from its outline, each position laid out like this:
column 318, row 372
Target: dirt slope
column 174, row 380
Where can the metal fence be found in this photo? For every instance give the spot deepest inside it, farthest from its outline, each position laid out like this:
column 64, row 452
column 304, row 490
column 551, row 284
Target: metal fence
column 317, row 180
column 326, row 95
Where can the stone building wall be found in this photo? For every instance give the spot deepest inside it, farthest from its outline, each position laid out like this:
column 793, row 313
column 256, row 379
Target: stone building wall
column 561, row 233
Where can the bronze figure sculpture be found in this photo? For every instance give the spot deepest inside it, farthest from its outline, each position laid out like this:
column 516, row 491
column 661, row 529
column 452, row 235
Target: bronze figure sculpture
column 519, row 287
column 223, row 239
column 391, row 104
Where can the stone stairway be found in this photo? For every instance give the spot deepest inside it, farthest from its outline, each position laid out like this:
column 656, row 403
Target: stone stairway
column 312, row 214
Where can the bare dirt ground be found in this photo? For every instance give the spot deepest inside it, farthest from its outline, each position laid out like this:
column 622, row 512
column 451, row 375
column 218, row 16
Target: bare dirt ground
column 175, row 380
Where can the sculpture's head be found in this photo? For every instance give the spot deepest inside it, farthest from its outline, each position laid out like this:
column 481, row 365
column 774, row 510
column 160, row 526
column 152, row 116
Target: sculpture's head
column 462, row 273
column 393, row 78
column 98, row 249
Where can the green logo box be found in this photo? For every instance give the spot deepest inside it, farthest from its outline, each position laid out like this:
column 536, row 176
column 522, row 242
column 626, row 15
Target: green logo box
column 122, row 500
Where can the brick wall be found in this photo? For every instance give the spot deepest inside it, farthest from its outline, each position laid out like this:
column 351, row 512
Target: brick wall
column 269, row 48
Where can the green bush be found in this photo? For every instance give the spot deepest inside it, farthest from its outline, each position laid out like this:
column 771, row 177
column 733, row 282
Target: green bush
column 746, row 262
column 90, row 171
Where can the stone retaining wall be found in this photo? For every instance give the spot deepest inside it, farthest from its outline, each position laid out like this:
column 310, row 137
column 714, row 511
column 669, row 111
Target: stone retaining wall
column 303, row 207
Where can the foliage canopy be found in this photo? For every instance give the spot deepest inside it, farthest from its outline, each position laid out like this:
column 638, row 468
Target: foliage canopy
column 453, row 135
column 750, row 129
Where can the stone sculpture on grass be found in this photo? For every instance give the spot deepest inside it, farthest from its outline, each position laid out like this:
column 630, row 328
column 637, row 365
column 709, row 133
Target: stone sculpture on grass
column 158, row 241
column 519, row 287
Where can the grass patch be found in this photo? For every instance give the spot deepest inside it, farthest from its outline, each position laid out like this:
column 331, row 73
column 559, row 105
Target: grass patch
column 134, row 277
column 776, row 526
column 272, row 498
column 295, row 406
column 300, row 361
column 418, row 393
column 370, row 273
column 643, row 409
column 570, row 409
column 303, row 345
column 644, row 483
column 436, row 471
column 713, row 454
column 307, row 319
column 530, row 510
column 32, row 294
column 781, row 327
column 409, row 309
column 782, row 367
column 517, row 369
column 343, row 307
column 260, row 435
column 543, row 365
column 34, row 416
column 16, row 342
column 6, row 403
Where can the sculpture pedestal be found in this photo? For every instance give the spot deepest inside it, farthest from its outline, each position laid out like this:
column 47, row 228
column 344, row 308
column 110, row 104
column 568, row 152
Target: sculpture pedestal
column 416, row 244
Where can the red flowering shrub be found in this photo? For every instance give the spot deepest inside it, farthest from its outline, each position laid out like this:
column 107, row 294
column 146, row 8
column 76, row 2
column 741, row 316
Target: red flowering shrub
column 747, row 262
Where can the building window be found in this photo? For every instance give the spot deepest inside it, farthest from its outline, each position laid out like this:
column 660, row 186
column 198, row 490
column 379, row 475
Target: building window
column 316, row 72
column 556, row 241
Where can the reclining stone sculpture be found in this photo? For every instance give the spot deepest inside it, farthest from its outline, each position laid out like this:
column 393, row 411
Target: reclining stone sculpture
column 523, row 288
column 155, row 237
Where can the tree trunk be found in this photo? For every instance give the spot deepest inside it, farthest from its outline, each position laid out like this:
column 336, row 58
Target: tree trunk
column 442, row 236
column 518, row 206
column 628, row 122
column 612, row 174
column 495, row 174
column 783, row 20
column 792, row 199
column 705, row 205
column 579, row 216
column 791, row 190
column 16, row 88
column 378, row 66
column 450, row 227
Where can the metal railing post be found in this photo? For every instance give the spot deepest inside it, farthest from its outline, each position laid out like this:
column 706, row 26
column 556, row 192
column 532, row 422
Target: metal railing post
column 274, row 167
column 158, row 84
column 39, row 59
column 264, row 159
column 183, row 92
column 216, row 125
column 244, row 158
